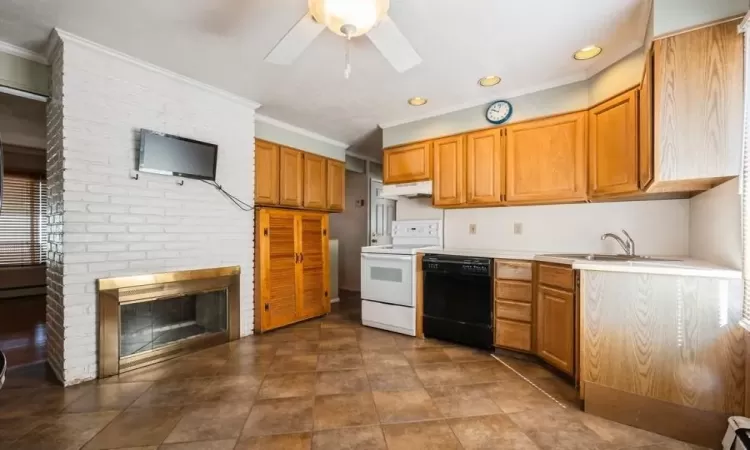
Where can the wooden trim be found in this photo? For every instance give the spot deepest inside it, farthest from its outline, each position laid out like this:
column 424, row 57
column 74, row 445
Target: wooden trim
column 257, row 300
column 476, row 130
column 692, row 425
column 420, row 295
column 698, row 27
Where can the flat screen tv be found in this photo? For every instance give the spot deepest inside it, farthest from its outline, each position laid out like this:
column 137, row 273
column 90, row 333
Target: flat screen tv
column 173, row 155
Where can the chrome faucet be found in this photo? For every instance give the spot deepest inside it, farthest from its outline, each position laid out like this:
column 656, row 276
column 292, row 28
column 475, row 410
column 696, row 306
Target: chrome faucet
column 628, row 247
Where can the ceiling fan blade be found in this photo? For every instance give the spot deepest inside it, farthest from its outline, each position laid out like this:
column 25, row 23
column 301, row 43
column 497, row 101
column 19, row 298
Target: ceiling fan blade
column 394, row 45
column 296, row 41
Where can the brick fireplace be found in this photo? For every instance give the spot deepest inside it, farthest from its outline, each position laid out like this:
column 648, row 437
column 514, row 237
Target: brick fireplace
column 151, row 318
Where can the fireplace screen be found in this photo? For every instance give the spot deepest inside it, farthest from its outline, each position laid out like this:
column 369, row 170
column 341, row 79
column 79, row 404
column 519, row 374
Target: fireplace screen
column 150, row 325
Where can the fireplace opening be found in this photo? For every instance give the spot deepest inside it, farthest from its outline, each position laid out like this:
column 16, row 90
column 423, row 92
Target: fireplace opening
column 151, row 318
column 151, row 325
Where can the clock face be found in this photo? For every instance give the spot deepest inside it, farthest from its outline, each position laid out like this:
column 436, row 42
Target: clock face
column 499, row 112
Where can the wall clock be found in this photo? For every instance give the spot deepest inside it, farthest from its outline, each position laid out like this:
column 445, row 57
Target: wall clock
column 499, row 112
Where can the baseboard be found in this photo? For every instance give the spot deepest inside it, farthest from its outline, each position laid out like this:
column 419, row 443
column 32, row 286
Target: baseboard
column 705, row 428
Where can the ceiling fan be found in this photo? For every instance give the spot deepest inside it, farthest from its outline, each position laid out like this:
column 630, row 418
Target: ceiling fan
column 350, row 19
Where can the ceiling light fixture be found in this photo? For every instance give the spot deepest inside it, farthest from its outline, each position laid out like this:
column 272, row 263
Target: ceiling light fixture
column 587, row 52
column 417, row 101
column 489, row 80
column 349, row 18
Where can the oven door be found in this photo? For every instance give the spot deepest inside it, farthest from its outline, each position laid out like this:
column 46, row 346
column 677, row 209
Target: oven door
column 388, row 278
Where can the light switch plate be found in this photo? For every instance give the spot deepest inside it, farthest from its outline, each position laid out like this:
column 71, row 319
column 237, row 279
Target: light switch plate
column 517, row 228
column 472, row 228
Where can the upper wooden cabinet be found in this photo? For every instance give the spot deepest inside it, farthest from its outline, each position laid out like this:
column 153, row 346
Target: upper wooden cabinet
column 613, row 146
column 315, row 182
column 697, row 108
column 288, row 177
column 408, row 163
column 546, row 160
column 646, row 126
column 484, row 167
column 266, row 173
column 336, row 185
column 448, row 173
column 291, row 170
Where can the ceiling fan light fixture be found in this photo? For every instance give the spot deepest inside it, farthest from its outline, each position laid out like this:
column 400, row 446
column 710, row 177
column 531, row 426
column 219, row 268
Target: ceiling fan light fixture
column 588, row 52
column 490, row 80
column 417, row 101
column 362, row 15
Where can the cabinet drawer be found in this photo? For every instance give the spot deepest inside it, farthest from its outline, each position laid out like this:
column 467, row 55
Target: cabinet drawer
column 513, row 334
column 557, row 276
column 519, row 291
column 512, row 270
column 513, row 310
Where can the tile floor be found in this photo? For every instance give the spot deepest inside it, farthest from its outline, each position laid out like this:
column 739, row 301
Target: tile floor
column 324, row 384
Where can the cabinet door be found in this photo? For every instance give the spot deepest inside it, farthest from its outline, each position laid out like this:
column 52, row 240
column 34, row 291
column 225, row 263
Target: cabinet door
column 484, row 167
column 448, row 173
column 555, row 316
column 278, row 267
column 336, row 185
column 290, row 176
column 613, row 146
column 266, row 173
column 312, row 286
column 408, row 163
column 314, row 193
column 646, row 126
column 546, row 160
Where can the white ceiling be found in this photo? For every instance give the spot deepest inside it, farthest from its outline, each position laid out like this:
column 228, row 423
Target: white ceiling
column 223, row 42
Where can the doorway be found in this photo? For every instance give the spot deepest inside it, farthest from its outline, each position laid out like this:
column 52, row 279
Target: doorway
column 382, row 214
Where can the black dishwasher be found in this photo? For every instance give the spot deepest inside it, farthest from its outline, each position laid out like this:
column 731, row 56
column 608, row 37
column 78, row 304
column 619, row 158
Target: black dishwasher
column 458, row 299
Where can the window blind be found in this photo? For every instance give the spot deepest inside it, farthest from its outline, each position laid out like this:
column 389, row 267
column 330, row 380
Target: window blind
column 23, row 220
column 745, row 182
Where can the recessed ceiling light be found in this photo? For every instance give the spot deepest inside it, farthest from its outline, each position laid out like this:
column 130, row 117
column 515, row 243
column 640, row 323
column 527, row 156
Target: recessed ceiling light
column 417, row 101
column 588, row 52
column 490, row 80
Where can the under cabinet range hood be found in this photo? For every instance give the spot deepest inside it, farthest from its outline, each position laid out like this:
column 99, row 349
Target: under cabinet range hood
column 417, row 189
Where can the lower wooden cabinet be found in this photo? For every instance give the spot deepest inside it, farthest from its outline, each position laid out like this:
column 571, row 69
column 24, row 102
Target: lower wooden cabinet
column 556, row 319
column 512, row 334
column 291, row 267
column 513, row 305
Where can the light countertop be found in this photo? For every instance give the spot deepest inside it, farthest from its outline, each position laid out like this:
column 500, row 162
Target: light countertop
column 683, row 267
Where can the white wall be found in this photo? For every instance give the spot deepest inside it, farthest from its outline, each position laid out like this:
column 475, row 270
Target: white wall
column 674, row 15
column 105, row 224
column 350, row 228
column 715, row 225
column 619, row 77
column 285, row 134
column 417, row 209
column 23, row 122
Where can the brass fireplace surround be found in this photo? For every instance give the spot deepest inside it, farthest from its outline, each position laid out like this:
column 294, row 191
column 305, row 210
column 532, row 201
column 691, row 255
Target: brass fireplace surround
column 114, row 292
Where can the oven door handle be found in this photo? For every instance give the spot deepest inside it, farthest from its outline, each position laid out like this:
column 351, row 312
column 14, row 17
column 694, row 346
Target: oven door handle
column 386, row 257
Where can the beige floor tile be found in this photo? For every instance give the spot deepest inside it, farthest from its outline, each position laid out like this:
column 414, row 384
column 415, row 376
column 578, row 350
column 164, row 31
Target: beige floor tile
column 364, row 438
column 441, row 374
column 490, row 432
column 341, row 382
column 338, row 344
column 64, row 432
column 279, row 416
column 239, row 389
column 224, row 444
column 172, row 393
column 210, row 422
column 284, row 385
column 486, row 371
column 435, row 435
column 383, row 360
column 465, row 354
column 344, row 410
column 339, row 361
column 463, row 401
column 428, row 355
column 300, row 441
column 514, row 396
column 397, row 379
column 294, row 363
column 296, row 347
column 405, row 406
column 108, row 397
column 137, row 427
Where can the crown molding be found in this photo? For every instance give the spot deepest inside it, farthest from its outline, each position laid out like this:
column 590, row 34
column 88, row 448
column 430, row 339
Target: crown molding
column 745, row 24
column 300, row 131
column 22, row 53
column 483, row 101
column 66, row 38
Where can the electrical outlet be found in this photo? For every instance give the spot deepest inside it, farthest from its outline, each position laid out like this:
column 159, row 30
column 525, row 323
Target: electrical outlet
column 472, row 228
column 517, row 228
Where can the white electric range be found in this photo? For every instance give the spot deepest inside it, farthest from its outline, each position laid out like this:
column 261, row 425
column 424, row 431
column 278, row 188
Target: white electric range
column 389, row 289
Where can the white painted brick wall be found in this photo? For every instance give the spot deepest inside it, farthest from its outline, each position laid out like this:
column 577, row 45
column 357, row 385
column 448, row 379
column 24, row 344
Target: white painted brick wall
column 112, row 225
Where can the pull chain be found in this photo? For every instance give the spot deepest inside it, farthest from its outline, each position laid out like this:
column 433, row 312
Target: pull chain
column 348, row 30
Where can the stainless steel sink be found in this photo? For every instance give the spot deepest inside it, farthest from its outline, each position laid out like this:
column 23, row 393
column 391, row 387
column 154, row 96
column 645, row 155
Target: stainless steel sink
column 601, row 257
